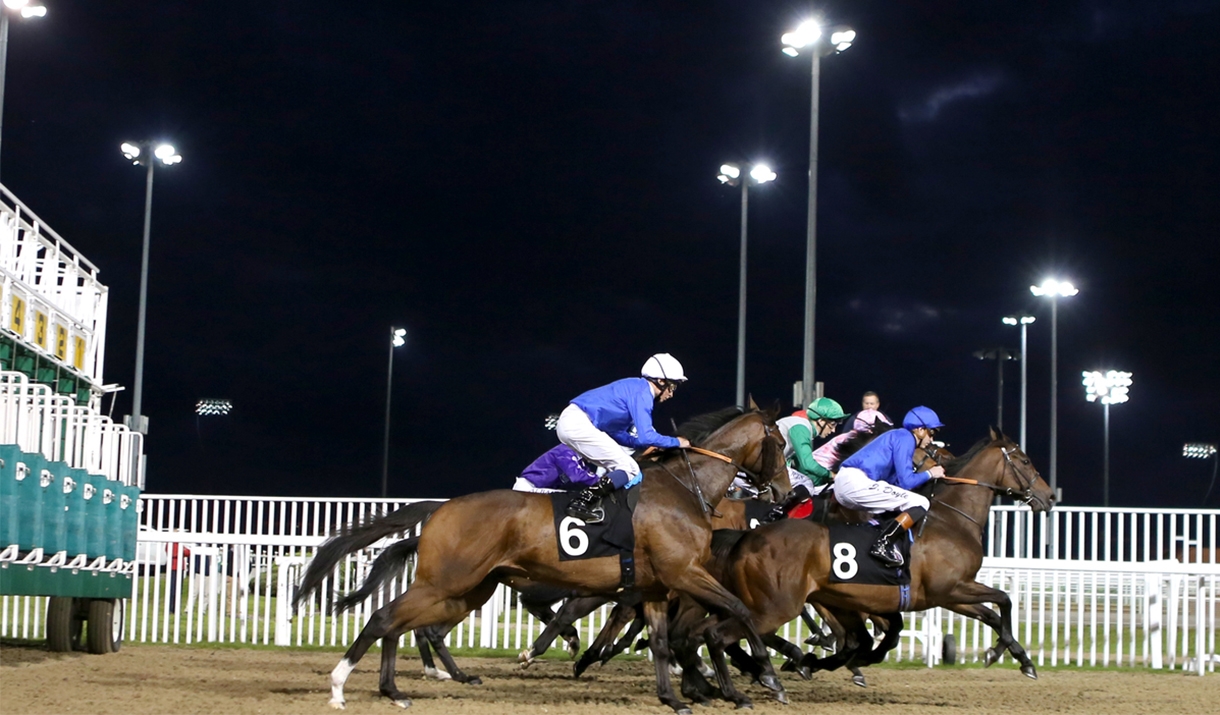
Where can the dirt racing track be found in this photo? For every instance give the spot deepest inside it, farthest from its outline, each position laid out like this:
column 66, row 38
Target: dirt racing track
column 166, row 679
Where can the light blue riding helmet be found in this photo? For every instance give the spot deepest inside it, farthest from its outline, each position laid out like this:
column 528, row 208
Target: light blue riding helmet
column 921, row 417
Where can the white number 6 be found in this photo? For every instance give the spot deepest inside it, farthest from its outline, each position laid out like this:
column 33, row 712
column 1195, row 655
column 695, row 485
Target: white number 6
column 574, row 541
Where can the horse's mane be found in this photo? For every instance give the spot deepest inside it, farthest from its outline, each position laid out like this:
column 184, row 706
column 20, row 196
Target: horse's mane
column 955, row 465
column 848, row 447
column 699, row 428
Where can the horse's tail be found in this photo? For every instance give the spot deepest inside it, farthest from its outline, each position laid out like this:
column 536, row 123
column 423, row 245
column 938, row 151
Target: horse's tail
column 386, row 566
column 356, row 537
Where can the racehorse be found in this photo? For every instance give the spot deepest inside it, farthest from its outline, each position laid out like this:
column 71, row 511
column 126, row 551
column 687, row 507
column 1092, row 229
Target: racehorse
column 779, row 567
column 462, row 555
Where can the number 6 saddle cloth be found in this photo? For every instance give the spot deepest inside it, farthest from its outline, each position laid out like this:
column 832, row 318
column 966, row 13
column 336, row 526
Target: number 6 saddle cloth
column 612, row 536
column 850, row 561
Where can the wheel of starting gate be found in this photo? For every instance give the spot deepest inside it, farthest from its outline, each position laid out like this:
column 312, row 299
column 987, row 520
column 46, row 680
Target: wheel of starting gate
column 105, row 632
column 948, row 650
column 64, row 624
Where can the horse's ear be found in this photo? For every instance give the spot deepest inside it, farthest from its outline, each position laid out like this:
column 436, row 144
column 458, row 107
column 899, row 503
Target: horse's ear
column 751, row 405
column 994, row 434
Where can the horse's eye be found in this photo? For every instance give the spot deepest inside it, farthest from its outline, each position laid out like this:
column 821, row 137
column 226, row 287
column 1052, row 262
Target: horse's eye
column 1025, row 461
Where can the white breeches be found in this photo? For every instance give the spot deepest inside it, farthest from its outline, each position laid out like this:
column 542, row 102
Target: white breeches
column 796, row 479
column 855, row 490
column 524, row 485
column 576, row 430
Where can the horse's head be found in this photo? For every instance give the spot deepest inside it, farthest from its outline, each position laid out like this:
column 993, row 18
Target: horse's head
column 1014, row 474
column 755, row 444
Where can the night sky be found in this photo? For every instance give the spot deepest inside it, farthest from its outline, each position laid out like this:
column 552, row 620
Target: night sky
column 529, row 188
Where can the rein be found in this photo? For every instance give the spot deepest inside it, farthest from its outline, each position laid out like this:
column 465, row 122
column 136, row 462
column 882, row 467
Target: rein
column 1028, row 493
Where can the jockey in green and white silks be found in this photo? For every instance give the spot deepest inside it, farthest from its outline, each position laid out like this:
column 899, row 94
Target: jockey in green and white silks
column 597, row 425
column 807, row 475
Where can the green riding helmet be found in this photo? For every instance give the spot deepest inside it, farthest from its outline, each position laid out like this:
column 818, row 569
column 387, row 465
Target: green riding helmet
column 826, row 409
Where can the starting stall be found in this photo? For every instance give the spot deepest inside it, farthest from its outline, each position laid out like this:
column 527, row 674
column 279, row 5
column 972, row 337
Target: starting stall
column 70, row 478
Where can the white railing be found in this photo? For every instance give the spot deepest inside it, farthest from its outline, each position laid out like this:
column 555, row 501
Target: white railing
column 247, row 553
column 61, row 303
column 37, row 419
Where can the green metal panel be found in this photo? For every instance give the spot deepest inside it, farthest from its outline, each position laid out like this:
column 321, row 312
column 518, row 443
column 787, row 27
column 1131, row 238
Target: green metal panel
column 54, row 509
column 74, row 524
column 112, row 500
column 22, row 580
column 31, row 492
column 95, row 517
column 130, row 528
column 10, row 457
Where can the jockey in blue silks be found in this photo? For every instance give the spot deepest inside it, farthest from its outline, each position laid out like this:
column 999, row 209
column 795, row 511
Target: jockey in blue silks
column 597, row 426
column 881, row 475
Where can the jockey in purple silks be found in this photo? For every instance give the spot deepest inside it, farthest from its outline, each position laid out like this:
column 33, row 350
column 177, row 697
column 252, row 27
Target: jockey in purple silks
column 559, row 468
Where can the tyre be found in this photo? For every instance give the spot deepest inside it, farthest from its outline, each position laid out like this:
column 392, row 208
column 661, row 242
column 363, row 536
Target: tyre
column 63, row 626
column 948, row 650
column 105, row 632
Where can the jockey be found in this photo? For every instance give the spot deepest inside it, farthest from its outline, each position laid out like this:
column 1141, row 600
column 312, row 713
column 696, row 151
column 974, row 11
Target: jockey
column 804, row 472
column 559, row 468
column 597, row 424
column 881, row 475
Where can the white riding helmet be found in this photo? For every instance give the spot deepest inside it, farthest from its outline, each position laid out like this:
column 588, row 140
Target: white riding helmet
column 663, row 366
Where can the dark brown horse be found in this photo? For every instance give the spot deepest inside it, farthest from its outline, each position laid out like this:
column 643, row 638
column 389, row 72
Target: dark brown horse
column 779, row 567
column 463, row 555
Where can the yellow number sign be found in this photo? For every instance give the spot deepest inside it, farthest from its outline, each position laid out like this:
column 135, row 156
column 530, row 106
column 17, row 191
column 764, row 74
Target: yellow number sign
column 17, row 323
column 61, row 342
column 78, row 352
column 40, row 329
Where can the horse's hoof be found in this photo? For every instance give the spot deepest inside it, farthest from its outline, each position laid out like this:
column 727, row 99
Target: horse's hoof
column 804, row 673
column 782, row 697
column 770, row 682
column 474, row 680
column 682, row 711
column 574, row 648
column 990, row 658
column 403, row 703
column 745, row 704
column 1030, row 671
column 338, row 705
column 859, row 680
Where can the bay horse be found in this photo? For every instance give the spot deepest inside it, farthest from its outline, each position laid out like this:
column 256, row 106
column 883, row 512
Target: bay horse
column 779, row 567
column 462, row 555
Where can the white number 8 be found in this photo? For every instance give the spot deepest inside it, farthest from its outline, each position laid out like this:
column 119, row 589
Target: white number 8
column 573, row 541
column 845, row 566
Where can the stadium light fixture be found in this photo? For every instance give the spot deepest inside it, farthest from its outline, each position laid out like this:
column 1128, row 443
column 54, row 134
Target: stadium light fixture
column 1053, row 288
column 818, row 40
column 26, row 11
column 731, row 175
column 1203, row 450
column 1024, row 320
column 398, row 338
column 1108, row 388
column 213, row 407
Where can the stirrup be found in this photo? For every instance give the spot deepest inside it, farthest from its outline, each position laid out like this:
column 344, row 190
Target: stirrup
column 886, row 551
column 593, row 516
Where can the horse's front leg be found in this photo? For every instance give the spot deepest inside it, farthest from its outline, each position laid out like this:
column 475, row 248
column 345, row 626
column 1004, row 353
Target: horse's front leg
column 657, row 613
column 972, row 597
column 715, row 649
column 705, row 589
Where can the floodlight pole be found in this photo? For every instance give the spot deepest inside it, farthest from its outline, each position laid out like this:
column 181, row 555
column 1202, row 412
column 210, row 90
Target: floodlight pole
column 1054, row 394
column 3, row 64
column 385, row 455
column 1105, row 469
column 1024, row 362
column 741, row 296
column 138, row 390
column 808, row 387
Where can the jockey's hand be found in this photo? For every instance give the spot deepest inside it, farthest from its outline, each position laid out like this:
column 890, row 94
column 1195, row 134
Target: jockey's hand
column 936, row 472
column 683, row 442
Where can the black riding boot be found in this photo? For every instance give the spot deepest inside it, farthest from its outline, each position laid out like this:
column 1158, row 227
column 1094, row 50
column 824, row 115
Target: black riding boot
column 885, row 549
column 587, row 505
column 790, row 502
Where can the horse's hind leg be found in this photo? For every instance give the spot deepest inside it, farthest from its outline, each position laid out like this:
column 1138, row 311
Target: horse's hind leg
column 620, row 617
column 559, row 624
column 389, row 658
column 657, row 613
column 789, row 651
column 379, row 626
column 437, row 639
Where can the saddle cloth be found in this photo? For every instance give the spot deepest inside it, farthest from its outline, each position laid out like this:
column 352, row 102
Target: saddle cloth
column 850, row 561
column 576, row 540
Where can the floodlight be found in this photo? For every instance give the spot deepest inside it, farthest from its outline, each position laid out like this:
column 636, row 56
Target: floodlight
column 1018, row 319
column 730, row 170
column 131, row 151
column 398, row 337
column 16, row 4
column 1110, row 387
column 35, row 11
column 806, row 34
column 167, row 154
column 1054, row 288
column 761, row 173
column 1198, row 450
column 213, row 407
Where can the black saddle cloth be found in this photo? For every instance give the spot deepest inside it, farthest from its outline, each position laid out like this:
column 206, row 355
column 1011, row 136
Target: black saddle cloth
column 576, row 540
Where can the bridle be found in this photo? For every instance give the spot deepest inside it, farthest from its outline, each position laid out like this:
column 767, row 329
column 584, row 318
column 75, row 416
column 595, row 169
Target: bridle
column 756, row 477
column 1025, row 494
